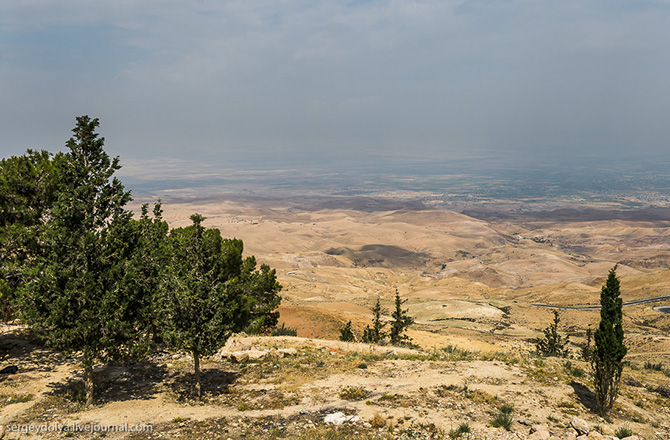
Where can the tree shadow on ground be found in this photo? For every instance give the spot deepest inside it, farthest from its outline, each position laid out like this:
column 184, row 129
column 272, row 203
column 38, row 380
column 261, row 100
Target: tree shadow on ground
column 585, row 396
column 115, row 382
column 214, row 382
column 24, row 349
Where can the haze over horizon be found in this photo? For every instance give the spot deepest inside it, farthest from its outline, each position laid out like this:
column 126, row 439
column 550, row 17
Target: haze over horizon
column 339, row 82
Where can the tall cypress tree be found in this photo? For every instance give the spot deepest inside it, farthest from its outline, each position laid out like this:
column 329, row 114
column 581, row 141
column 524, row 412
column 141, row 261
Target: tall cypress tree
column 401, row 321
column 74, row 296
column 376, row 334
column 609, row 351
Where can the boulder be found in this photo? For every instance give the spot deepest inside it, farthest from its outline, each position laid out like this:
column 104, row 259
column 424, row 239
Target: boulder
column 539, row 435
column 595, row 435
column 287, row 352
column 569, row 435
column 607, row 431
column 580, row 426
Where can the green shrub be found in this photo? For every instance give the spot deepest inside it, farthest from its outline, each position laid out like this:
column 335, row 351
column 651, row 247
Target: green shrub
column 353, row 393
column 506, row 408
column 502, row 420
column 624, row 431
column 463, row 428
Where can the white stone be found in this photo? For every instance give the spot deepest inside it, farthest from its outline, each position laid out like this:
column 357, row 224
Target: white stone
column 339, row 418
column 580, row 425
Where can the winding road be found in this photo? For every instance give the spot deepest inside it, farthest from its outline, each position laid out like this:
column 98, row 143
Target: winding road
column 628, row 303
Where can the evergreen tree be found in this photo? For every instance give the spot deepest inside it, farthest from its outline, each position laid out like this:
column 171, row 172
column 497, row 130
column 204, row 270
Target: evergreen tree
column 347, row 334
column 401, row 321
column 553, row 344
column 609, row 351
column 210, row 292
column 375, row 335
column 74, row 295
column 28, row 188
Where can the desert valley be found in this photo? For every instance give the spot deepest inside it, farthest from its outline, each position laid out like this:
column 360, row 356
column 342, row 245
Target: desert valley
column 477, row 283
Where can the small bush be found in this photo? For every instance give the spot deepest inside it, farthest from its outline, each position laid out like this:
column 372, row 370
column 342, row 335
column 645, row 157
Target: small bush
column 624, row 431
column 463, row 428
column 652, row 366
column 502, row 420
column 353, row 393
column 378, row 421
column 243, row 406
column 284, row 331
column 362, row 366
column 506, row 408
column 573, row 370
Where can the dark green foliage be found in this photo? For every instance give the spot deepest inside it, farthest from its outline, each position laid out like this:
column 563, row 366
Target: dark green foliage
column 75, row 294
column 210, row 291
column 609, row 351
column 28, row 188
column 587, row 349
column 145, row 267
column 347, row 334
column 401, row 320
column 553, row 344
column 284, row 331
column 375, row 335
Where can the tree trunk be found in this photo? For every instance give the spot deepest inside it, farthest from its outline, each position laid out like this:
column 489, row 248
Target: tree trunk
column 196, row 366
column 88, row 383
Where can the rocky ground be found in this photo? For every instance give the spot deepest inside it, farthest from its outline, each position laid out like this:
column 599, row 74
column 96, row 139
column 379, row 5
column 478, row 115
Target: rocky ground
column 287, row 387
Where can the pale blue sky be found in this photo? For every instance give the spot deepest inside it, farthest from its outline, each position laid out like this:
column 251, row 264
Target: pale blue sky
column 207, row 79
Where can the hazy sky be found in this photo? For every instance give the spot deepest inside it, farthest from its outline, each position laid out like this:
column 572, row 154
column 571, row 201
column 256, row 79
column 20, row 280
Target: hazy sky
column 209, row 79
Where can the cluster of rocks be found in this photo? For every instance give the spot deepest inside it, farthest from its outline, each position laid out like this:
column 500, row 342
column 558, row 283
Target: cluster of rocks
column 249, row 353
column 580, row 431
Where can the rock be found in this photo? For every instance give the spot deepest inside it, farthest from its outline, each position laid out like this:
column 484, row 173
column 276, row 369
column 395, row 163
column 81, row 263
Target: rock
column 582, row 437
column 610, row 437
column 339, row 418
column 633, row 437
column 569, row 435
column 595, row 435
column 241, row 356
column 288, row 351
column 580, row 425
column 607, row 431
column 525, row 422
column 11, row 369
column 539, row 427
column 539, row 435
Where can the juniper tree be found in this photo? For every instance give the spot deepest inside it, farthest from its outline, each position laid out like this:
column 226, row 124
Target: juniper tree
column 401, row 321
column 609, row 350
column 553, row 344
column 210, row 291
column 347, row 334
column 375, row 335
column 74, row 295
column 28, row 188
